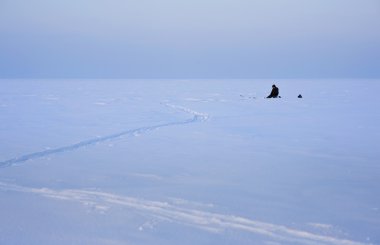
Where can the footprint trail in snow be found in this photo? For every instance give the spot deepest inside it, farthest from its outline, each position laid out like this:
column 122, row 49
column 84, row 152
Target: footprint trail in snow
column 197, row 117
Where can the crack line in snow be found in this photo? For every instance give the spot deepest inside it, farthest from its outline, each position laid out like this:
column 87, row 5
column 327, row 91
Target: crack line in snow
column 197, row 117
column 208, row 221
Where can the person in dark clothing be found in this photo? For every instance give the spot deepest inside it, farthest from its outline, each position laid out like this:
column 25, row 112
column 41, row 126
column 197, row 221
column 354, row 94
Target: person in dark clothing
column 274, row 93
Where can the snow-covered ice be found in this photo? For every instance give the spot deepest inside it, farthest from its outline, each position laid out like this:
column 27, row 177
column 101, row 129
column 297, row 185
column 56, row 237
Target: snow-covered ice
column 189, row 162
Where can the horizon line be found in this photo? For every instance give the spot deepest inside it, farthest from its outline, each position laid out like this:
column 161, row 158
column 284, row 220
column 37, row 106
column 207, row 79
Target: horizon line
column 185, row 78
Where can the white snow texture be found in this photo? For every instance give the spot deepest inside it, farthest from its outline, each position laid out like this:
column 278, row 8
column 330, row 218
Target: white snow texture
column 189, row 162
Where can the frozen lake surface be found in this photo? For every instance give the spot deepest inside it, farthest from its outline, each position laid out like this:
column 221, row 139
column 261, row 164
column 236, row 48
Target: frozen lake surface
column 189, row 162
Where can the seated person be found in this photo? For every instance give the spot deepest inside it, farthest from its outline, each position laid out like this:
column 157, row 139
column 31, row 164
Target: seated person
column 274, row 93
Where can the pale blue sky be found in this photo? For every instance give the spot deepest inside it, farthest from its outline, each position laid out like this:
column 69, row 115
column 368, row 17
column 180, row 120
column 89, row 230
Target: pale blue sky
column 189, row 39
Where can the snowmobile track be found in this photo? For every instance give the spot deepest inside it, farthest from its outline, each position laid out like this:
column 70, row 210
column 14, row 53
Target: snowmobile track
column 170, row 212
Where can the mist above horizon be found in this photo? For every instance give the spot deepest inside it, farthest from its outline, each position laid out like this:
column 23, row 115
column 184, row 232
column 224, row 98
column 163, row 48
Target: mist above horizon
column 189, row 39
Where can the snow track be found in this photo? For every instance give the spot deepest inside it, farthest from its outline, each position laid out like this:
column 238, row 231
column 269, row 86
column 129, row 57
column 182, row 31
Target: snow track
column 170, row 212
column 197, row 117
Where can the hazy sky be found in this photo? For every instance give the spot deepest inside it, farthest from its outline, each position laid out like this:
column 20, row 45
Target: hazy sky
column 189, row 39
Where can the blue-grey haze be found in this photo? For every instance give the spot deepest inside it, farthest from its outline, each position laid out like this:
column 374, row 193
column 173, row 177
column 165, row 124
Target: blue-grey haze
column 189, row 39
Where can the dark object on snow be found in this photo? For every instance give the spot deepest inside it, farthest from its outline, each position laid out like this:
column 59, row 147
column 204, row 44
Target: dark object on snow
column 274, row 93
column 300, row 96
